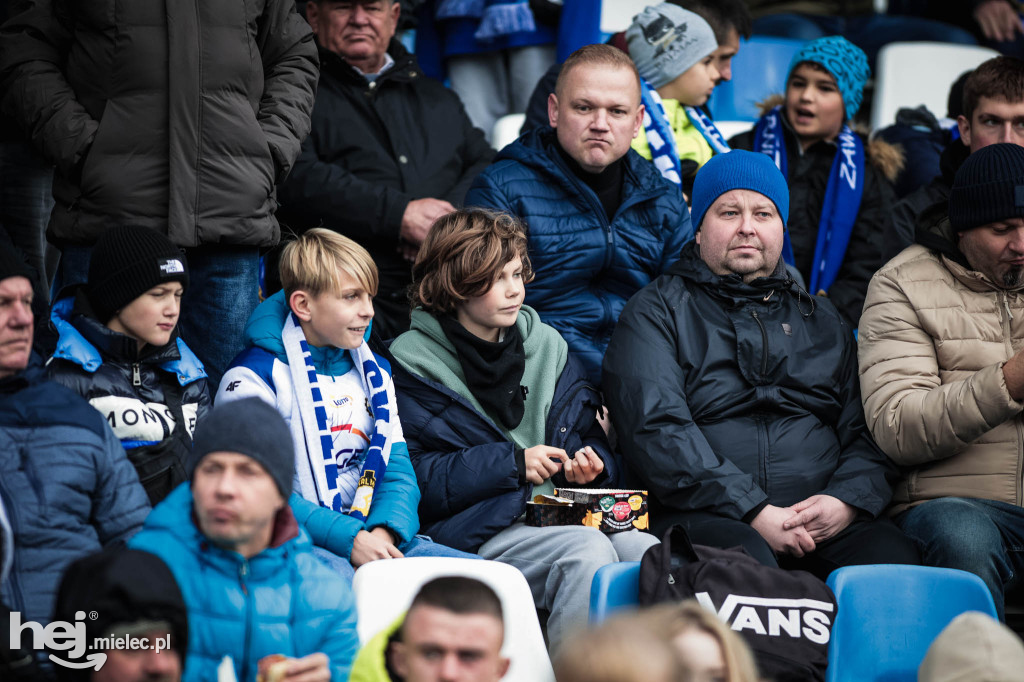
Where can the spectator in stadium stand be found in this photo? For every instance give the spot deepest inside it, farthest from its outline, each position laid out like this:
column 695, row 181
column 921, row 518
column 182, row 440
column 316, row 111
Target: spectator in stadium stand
column 391, row 150
column 942, row 373
column 602, row 222
column 734, row 393
column 180, row 118
column 253, row 588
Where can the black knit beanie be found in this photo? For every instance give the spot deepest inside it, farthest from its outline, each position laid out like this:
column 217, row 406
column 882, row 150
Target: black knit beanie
column 252, row 428
column 126, row 263
column 989, row 187
column 12, row 264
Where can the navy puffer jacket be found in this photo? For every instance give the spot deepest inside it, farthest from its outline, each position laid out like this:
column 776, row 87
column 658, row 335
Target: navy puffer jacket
column 471, row 485
column 586, row 267
column 66, row 486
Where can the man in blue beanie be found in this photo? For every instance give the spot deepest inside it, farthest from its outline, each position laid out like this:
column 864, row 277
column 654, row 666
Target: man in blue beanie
column 734, row 393
column 253, row 589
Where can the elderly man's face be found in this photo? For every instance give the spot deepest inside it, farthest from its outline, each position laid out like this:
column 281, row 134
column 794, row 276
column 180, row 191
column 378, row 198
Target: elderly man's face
column 441, row 646
column 235, row 501
column 996, row 250
column 357, row 31
column 596, row 114
column 741, row 234
column 141, row 665
column 15, row 324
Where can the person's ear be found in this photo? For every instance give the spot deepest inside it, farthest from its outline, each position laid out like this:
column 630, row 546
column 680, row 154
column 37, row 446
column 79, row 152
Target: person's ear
column 503, row 667
column 396, row 657
column 553, row 110
column 965, row 130
column 313, row 14
column 299, row 302
column 639, row 120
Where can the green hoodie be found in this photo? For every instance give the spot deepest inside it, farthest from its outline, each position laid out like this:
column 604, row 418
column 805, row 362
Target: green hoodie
column 426, row 351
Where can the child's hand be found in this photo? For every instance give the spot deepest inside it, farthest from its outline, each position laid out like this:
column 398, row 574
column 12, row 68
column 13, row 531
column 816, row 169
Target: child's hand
column 584, row 467
column 543, row 462
column 372, row 545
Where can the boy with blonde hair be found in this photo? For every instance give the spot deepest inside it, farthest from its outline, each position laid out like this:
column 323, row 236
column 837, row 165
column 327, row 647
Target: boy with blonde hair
column 307, row 354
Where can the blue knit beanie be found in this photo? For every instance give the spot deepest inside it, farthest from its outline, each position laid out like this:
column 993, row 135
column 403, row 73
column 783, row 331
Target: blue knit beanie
column 738, row 169
column 845, row 61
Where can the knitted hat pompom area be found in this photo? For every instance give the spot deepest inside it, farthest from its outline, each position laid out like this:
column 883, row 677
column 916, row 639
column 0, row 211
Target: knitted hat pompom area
column 845, row 61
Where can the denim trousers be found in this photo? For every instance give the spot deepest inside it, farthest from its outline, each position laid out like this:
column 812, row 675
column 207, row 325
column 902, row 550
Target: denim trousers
column 983, row 537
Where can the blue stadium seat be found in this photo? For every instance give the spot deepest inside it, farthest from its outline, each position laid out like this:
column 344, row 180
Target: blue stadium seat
column 759, row 69
column 888, row 616
column 615, row 587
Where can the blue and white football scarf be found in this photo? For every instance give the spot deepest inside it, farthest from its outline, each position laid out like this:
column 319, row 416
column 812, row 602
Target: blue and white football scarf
column 842, row 196
column 661, row 140
column 322, row 478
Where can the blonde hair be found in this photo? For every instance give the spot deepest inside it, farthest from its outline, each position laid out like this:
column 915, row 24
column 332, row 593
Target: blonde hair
column 312, row 263
column 463, row 254
column 622, row 649
column 674, row 620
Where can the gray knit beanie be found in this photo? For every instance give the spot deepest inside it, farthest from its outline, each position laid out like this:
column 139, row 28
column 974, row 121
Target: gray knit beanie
column 252, row 428
column 666, row 40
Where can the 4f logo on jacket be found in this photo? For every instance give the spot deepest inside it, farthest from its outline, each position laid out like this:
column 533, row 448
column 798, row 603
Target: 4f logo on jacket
column 773, row 617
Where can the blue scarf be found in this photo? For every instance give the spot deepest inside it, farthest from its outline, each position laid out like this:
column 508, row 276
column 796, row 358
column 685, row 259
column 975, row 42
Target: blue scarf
column 498, row 18
column 707, row 128
column 660, row 138
column 842, row 197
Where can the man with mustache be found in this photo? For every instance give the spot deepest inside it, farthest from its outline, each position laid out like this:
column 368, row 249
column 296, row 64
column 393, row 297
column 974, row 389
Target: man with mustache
column 734, row 393
column 601, row 220
column 942, row 373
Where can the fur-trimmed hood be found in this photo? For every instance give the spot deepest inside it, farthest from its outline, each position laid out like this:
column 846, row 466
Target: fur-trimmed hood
column 888, row 159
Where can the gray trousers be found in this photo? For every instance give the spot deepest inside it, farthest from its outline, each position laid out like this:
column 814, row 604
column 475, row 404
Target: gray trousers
column 494, row 84
column 559, row 563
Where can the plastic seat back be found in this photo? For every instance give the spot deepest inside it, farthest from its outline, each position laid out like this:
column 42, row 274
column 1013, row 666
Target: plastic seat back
column 615, row 587
column 384, row 589
column 759, row 70
column 889, row 614
column 911, row 74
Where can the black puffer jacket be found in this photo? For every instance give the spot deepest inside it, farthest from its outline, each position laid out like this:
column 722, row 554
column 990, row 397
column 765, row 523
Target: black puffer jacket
column 179, row 115
column 727, row 395
column 152, row 401
column 374, row 148
column 808, row 177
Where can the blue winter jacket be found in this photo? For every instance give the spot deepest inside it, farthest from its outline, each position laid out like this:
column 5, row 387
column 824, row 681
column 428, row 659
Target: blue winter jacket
column 67, row 488
column 281, row 601
column 586, row 267
column 473, row 486
column 394, row 503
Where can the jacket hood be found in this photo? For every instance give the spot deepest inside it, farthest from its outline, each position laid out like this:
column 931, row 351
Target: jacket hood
column 888, row 159
column 83, row 340
column 732, row 290
column 266, row 325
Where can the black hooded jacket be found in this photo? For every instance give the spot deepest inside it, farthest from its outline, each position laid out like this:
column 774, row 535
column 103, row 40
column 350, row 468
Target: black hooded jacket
column 726, row 396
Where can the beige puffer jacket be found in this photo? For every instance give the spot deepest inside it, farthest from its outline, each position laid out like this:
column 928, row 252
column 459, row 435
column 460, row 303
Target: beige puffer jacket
column 932, row 341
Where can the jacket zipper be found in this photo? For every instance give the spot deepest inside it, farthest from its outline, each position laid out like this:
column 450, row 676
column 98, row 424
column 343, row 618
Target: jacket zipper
column 764, row 343
column 243, row 572
column 762, row 454
column 136, row 375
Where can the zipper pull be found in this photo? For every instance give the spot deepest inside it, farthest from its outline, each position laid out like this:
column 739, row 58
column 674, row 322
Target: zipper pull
column 243, row 571
column 136, row 376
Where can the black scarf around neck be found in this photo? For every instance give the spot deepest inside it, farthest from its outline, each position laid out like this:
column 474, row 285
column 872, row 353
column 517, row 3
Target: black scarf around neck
column 493, row 370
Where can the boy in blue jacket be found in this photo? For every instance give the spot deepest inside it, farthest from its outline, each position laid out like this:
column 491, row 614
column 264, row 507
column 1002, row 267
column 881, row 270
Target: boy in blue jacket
column 307, row 354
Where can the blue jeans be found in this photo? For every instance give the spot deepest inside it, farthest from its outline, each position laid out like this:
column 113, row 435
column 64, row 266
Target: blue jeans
column 419, row 546
column 980, row 536
column 868, row 32
column 223, row 291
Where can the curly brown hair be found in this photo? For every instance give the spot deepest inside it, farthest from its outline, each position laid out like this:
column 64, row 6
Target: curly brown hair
column 462, row 256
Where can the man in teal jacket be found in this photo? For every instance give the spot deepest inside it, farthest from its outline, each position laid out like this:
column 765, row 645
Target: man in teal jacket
column 251, row 583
